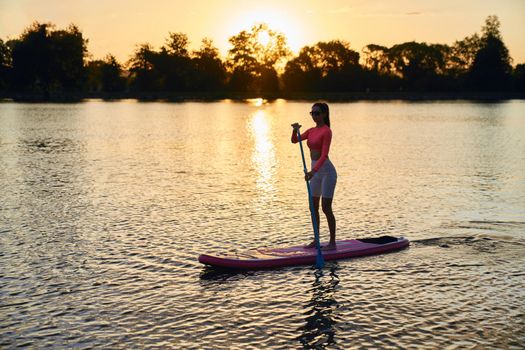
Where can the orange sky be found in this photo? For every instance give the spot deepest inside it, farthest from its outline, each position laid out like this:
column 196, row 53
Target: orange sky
column 117, row 26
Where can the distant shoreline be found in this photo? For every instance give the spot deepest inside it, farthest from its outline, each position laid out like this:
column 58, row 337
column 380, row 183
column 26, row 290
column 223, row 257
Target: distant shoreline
column 298, row 96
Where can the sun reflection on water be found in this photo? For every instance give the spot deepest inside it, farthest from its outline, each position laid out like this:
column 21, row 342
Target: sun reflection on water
column 257, row 102
column 263, row 156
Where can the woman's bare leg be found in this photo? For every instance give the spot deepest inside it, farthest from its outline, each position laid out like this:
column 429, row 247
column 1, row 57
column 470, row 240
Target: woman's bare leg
column 330, row 218
column 316, row 211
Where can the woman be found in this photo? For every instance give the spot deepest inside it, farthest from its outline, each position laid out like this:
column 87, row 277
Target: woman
column 323, row 176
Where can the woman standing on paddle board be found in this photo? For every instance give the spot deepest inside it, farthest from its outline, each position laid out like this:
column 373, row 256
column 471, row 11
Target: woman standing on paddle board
column 323, row 176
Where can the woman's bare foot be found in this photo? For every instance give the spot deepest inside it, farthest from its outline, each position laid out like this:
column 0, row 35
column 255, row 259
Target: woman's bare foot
column 330, row 246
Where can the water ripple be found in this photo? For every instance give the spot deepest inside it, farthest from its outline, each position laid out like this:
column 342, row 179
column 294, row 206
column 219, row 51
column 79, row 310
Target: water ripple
column 106, row 206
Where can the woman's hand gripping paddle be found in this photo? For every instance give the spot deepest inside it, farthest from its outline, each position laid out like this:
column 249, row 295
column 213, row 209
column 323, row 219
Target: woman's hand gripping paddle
column 319, row 263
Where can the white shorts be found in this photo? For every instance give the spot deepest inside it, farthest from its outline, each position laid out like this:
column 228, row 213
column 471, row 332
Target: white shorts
column 324, row 180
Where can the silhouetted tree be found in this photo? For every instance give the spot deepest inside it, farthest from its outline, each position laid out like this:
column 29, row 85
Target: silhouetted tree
column 177, row 44
column 5, row 65
column 174, row 63
column 461, row 56
column 301, row 73
column 254, row 63
column 326, row 66
column 267, row 80
column 491, row 69
column 518, row 77
column 144, row 74
column 170, row 69
column 210, row 72
column 105, row 75
column 420, row 65
column 340, row 69
column 46, row 60
column 378, row 71
column 376, row 58
column 333, row 56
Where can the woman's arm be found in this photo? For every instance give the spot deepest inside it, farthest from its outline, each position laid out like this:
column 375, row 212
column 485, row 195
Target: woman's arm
column 304, row 135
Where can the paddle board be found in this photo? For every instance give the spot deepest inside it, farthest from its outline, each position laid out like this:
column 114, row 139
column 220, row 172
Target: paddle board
column 263, row 258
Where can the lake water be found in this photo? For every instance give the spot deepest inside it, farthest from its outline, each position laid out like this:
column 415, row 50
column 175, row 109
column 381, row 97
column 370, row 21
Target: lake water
column 105, row 207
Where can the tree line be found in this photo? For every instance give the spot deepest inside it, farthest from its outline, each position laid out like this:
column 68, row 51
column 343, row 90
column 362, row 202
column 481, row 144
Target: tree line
column 47, row 61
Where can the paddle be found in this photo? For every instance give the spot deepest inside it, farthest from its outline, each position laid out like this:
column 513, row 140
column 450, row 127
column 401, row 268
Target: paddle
column 319, row 262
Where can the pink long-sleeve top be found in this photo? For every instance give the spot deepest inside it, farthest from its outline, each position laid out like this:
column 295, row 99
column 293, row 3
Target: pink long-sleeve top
column 319, row 139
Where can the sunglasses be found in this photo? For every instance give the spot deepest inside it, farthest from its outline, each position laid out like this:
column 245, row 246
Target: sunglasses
column 315, row 113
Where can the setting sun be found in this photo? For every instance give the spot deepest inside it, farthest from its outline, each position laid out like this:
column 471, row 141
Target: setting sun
column 263, row 38
column 277, row 20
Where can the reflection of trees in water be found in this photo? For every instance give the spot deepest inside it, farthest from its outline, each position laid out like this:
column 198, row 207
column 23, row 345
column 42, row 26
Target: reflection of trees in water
column 320, row 328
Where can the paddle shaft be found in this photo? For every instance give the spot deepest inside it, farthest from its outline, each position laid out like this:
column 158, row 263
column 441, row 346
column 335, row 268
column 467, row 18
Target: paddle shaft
column 319, row 261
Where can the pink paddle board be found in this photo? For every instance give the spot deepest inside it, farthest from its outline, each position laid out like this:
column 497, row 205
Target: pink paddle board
column 291, row 256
